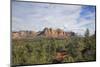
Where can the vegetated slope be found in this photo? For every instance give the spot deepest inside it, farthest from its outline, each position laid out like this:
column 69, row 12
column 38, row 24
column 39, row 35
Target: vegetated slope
column 42, row 50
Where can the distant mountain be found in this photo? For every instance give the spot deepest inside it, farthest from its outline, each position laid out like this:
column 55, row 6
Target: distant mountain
column 47, row 33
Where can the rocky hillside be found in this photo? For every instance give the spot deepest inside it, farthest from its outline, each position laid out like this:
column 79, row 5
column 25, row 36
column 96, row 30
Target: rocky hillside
column 47, row 33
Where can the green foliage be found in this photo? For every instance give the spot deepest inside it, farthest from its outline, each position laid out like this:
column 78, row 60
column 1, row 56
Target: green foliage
column 42, row 50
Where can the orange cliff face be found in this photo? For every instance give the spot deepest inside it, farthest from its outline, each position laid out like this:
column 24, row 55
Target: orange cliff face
column 47, row 33
column 57, row 33
column 50, row 33
column 23, row 34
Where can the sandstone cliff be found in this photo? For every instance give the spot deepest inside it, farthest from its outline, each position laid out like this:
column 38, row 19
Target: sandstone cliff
column 47, row 33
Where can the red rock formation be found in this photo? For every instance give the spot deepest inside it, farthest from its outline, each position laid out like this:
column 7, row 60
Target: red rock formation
column 51, row 33
column 23, row 34
column 47, row 32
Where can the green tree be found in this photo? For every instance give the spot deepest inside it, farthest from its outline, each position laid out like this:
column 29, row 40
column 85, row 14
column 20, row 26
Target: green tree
column 87, row 33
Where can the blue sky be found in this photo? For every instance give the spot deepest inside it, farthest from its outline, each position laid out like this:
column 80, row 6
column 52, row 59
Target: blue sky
column 37, row 16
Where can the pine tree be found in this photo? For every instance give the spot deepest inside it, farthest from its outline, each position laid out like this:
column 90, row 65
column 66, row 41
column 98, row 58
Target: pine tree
column 87, row 33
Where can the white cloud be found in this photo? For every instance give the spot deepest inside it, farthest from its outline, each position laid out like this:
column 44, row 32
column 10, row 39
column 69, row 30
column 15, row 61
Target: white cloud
column 66, row 17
